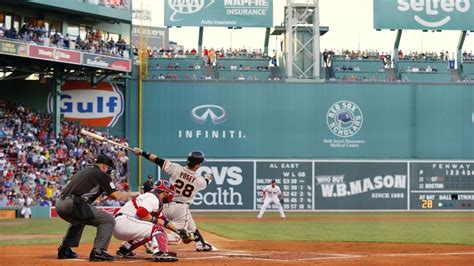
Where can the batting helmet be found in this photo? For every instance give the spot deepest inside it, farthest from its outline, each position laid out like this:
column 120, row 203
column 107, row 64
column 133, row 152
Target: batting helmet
column 195, row 157
column 164, row 186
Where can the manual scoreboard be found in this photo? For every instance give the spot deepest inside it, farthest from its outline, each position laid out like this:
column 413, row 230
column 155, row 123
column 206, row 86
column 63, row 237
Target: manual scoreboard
column 442, row 185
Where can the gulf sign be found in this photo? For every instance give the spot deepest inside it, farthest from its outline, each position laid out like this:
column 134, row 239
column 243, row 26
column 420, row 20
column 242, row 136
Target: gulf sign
column 101, row 106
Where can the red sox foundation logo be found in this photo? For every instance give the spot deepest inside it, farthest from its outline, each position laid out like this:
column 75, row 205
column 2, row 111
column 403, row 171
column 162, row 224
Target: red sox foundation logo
column 344, row 119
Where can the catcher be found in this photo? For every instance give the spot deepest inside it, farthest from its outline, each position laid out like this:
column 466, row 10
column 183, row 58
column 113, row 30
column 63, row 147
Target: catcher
column 272, row 193
column 140, row 221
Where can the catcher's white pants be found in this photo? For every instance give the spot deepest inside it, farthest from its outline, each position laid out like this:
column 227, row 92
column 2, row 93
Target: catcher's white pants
column 137, row 232
column 130, row 228
column 267, row 202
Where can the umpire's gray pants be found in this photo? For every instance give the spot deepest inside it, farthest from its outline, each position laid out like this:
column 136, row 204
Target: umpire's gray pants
column 104, row 222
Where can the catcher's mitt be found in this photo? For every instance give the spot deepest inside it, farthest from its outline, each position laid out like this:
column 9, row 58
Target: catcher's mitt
column 282, row 201
column 186, row 237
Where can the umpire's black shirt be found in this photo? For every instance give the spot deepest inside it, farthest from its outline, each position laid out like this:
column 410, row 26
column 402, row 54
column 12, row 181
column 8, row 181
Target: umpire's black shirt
column 89, row 184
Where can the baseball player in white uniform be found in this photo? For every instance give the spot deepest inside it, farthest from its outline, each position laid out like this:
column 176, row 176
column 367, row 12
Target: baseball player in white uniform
column 272, row 193
column 187, row 183
column 140, row 220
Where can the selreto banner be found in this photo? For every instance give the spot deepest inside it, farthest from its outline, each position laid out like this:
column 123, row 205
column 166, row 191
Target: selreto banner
column 424, row 14
column 219, row 13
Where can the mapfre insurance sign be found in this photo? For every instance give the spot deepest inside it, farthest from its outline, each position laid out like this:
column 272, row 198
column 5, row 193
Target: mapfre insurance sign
column 101, row 106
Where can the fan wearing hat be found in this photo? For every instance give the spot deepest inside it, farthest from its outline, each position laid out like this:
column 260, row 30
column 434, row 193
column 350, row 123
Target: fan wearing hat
column 75, row 207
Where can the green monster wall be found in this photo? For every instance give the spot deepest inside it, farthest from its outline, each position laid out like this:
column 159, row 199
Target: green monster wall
column 258, row 120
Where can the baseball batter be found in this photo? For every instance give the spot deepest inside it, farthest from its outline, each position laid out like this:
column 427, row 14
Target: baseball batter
column 140, row 221
column 272, row 193
column 187, row 183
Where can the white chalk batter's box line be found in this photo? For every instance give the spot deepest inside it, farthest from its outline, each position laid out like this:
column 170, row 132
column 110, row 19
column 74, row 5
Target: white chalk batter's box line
column 322, row 256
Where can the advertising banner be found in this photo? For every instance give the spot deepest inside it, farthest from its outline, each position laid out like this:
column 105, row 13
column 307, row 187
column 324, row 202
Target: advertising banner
column 231, row 189
column 107, row 62
column 55, row 54
column 13, row 48
column 360, row 185
column 277, row 120
column 155, row 37
column 219, row 13
column 424, row 15
column 101, row 106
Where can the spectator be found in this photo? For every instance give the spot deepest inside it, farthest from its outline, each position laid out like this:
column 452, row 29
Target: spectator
column 148, row 184
column 3, row 200
column 25, row 203
column 44, row 203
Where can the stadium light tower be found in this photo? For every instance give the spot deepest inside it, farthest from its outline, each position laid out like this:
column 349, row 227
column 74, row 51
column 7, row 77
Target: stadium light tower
column 302, row 39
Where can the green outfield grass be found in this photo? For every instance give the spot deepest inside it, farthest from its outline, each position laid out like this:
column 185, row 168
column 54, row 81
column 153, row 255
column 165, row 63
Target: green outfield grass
column 438, row 232
column 446, row 232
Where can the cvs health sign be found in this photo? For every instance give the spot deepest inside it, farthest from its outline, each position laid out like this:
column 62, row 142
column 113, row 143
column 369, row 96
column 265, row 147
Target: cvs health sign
column 101, row 106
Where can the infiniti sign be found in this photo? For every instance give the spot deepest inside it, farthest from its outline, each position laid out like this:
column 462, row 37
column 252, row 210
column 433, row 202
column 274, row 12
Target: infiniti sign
column 211, row 117
column 215, row 113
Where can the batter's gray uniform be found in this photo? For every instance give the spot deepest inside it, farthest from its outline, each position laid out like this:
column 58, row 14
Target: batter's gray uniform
column 187, row 184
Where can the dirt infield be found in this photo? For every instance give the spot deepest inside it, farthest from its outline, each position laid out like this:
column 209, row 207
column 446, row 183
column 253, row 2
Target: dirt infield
column 233, row 252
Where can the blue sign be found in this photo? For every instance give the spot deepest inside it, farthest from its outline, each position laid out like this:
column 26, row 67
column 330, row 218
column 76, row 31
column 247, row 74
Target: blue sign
column 424, row 14
column 220, row 13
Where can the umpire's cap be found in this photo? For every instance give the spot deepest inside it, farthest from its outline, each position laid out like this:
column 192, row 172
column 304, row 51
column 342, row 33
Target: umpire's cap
column 104, row 159
column 195, row 157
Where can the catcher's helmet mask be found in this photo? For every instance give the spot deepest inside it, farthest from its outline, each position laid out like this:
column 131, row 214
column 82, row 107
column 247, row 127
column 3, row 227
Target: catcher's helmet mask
column 164, row 186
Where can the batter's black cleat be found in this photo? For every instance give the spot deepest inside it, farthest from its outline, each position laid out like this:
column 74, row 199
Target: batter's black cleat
column 125, row 253
column 102, row 256
column 164, row 256
column 65, row 253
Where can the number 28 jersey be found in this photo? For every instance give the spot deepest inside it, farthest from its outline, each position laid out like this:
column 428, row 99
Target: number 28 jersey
column 186, row 182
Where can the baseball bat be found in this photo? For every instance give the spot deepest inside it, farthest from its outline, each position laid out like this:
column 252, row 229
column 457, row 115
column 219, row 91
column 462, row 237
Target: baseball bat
column 100, row 138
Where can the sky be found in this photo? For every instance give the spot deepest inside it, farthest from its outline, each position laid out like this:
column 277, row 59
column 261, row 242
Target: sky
column 350, row 25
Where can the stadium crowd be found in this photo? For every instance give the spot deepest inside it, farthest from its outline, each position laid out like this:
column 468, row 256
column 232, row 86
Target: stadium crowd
column 210, row 54
column 119, row 4
column 35, row 166
column 93, row 42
